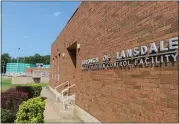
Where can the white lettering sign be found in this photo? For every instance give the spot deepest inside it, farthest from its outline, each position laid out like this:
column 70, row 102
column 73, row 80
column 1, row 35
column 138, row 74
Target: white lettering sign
column 141, row 55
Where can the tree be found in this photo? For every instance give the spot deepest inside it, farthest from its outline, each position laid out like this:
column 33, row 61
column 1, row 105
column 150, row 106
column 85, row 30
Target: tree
column 26, row 59
column 13, row 60
column 5, row 58
column 47, row 59
column 37, row 58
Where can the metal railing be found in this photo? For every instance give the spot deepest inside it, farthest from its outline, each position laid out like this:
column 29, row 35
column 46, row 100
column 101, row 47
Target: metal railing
column 68, row 97
column 62, row 84
column 61, row 94
column 72, row 97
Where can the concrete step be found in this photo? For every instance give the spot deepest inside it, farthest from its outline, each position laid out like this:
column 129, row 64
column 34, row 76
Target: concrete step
column 69, row 105
column 54, row 112
column 71, row 108
column 60, row 116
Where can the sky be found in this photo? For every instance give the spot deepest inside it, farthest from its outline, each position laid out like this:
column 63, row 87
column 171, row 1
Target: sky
column 33, row 26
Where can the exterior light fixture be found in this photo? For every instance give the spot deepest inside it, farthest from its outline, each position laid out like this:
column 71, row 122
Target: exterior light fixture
column 78, row 46
column 63, row 54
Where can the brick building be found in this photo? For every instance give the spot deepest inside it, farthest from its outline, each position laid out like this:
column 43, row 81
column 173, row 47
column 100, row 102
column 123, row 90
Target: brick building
column 124, row 94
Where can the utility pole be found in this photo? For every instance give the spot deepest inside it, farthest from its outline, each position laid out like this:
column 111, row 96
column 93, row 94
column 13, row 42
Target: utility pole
column 3, row 66
column 17, row 62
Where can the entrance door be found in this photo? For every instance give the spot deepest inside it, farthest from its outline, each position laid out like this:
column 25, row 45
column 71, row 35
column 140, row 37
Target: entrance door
column 72, row 52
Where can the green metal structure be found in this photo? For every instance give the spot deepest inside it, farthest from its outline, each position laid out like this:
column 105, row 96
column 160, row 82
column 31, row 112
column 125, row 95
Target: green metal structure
column 46, row 66
column 20, row 67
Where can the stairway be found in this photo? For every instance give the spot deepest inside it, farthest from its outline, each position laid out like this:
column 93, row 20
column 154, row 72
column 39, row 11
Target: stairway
column 71, row 113
column 63, row 96
column 54, row 112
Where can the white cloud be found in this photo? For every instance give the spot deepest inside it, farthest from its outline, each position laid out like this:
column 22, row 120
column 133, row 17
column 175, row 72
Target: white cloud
column 56, row 13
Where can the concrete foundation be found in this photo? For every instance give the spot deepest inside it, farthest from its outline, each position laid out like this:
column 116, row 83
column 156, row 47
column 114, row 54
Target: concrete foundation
column 83, row 115
column 28, row 80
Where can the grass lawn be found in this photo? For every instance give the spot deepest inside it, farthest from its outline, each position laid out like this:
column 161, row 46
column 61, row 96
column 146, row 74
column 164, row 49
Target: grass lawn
column 7, row 83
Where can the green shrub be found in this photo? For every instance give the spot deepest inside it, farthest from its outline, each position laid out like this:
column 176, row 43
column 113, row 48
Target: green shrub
column 33, row 90
column 7, row 116
column 31, row 111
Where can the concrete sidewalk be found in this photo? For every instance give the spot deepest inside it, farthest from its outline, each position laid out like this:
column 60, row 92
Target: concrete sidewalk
column 54, row 111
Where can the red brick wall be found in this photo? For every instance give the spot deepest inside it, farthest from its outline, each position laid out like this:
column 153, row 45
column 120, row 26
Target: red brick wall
column 32, row 69
column 121, row 95
column 28, row 70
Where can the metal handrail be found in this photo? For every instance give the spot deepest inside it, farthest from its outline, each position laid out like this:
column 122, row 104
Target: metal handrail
column 69, row 97
column 62, row 84
column 61, row 94
column 66, row 89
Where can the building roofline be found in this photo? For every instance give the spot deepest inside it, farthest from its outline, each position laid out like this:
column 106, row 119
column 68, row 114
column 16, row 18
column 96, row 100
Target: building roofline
column 73, row 14
column 67, row 22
